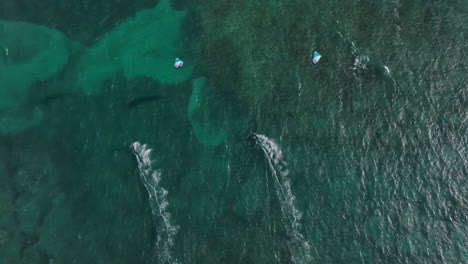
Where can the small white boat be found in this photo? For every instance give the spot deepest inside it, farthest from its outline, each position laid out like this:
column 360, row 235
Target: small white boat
column 178, row 63
column 316, row 57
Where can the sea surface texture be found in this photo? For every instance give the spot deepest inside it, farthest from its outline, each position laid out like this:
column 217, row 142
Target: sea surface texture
column 247, row 154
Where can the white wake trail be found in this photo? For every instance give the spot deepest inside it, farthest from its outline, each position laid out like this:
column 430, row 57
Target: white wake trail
column 299, row 247
column 158, row 200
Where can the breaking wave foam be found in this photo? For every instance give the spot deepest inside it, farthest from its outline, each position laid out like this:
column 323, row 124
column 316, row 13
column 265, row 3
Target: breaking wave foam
column 151, row 177
column 299, row 247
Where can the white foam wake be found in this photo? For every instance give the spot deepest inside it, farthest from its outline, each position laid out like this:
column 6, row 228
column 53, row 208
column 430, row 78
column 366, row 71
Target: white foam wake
column 299, row 247
column 360, row 62
column 158, row 200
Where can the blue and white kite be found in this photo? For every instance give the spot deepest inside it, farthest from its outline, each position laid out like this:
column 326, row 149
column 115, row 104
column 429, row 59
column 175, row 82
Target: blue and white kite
column 316, row 57
column 178, row 63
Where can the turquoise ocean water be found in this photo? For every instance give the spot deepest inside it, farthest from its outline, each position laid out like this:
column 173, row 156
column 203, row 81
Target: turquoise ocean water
column 249, row 153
